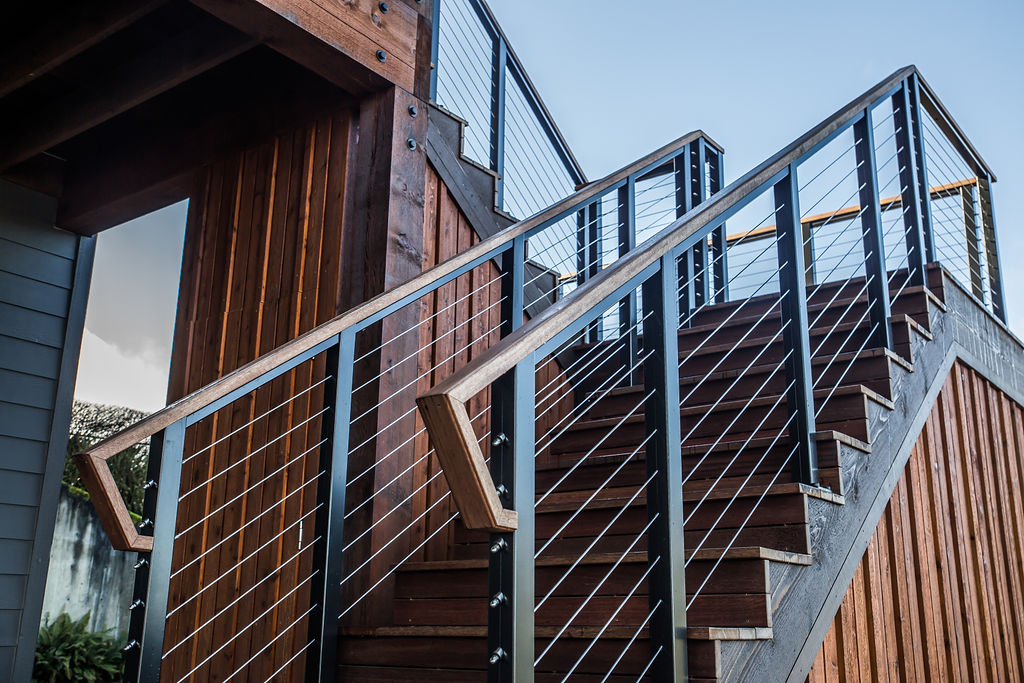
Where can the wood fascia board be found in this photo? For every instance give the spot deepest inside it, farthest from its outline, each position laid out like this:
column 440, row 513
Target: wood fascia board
column 338, row 41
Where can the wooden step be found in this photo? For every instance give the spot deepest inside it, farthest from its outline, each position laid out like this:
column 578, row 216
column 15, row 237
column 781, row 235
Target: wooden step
column 844, row 410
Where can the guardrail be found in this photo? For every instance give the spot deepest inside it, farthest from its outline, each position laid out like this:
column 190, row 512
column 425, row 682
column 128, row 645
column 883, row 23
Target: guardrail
column 780, row 368
column 284, row 496
column 478, row 76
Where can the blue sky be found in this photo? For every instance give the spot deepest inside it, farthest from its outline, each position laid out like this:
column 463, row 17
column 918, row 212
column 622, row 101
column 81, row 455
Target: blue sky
column 622, row 79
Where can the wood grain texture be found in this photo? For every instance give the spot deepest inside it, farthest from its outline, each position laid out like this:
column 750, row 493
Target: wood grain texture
column 938, row 594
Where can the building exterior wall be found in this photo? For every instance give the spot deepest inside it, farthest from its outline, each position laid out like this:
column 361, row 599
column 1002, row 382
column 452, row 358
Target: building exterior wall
column 939, row 593
column 87, row 576
column 44, row 282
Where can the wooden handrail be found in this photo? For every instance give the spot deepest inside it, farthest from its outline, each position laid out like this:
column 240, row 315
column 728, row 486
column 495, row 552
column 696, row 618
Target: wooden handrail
column 817, row 220
column 444, row 406
column 92, row 461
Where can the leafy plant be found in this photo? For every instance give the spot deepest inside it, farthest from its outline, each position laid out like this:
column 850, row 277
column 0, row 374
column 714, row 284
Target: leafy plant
column 90, row 424
column 68, row 651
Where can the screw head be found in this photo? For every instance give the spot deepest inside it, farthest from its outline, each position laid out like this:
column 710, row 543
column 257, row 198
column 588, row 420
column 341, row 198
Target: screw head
column 498, row 600
column 383, row 7
column 413, row 111
column 381, row 56
column 497, row 656
column 499, row 440
column 499, row 546
column 411, row 144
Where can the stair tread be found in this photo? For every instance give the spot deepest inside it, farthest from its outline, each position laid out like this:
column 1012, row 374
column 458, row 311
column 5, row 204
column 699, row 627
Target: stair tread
column 613, row 496
column 727, row 633
column 418, row 631
column 735, row 553
column 720, row 447
column 842, row 390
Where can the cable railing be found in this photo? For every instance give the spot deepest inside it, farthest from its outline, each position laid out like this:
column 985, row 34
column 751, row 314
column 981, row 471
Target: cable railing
column 686, row 396
column 478, row 77
column 285, row 497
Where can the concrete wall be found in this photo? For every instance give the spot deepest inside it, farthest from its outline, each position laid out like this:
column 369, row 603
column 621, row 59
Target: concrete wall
column 86, row 574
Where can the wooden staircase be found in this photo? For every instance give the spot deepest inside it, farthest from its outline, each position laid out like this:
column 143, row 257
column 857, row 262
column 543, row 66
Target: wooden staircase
column 733, row 498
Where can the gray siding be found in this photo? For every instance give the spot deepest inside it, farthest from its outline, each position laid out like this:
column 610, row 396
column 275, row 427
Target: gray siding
column 44, row 277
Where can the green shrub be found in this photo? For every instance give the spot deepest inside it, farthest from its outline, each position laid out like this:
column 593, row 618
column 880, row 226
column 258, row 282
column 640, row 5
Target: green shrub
column 68, row 651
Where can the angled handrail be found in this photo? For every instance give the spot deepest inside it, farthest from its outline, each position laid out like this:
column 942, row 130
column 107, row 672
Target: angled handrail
column 92, row 463
column 444, row 406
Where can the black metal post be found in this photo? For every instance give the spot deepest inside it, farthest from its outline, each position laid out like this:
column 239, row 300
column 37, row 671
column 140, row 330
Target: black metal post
column 992, row 260
column 663, row 455
column 719, row 243
column 499, row 61
column 510, row 636
column 800, row 394
column 971, row 241
column 909, row 197
column 698, row 193
column 325, row 591
column 681, row 175
column 510, row 568
column 628, row 306
column 921, row 168
column 144, row 652
column 435, row 34
column 871, row 229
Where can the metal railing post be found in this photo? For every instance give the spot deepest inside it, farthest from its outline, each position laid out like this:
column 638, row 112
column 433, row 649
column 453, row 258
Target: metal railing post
column 681, row 176
column 921, row 168
column 698, row 193
column 992, row 259
column 325, row 590
column 435, row 34
column 665, row 545
column 145, row 649
column 510, row 566
column 499, row 63
column 877, row 277
column 971, row 241
column 588, row 239
column 795, row 337
column 910, row 201
column 719, row 245
column 628, row 306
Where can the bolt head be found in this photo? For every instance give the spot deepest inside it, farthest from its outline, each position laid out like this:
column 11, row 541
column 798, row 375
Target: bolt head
column 411, row 144
column 381, row 56
column 413, row 111
column 383, row 7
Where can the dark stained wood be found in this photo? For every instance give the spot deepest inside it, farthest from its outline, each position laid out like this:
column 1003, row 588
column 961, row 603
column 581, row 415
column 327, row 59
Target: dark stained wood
column 44, row 122
column 49, row 34
column 338, row 40
column 940, row 582
column 146, row 158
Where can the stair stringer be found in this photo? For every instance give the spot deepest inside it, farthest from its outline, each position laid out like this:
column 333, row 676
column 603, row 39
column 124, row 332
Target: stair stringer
column 473, row 188
column 805, row 599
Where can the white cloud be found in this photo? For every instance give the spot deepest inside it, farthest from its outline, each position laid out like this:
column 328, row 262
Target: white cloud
column 107, row 375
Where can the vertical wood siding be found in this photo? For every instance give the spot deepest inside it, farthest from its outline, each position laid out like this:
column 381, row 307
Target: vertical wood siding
column 261, row 266
column 939, row 593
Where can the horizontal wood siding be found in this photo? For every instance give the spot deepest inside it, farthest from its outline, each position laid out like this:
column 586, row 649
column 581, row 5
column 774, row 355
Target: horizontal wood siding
column 939, row 593
column 40, row 335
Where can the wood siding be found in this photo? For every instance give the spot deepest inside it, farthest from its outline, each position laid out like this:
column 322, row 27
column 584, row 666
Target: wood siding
column 939, row 593
column 44, row 282
column 261, row 266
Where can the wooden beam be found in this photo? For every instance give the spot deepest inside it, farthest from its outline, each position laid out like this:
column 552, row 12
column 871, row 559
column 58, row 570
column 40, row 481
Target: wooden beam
column 145, row 159
column 337, row 40
column 44, row 124
column 68, row 30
